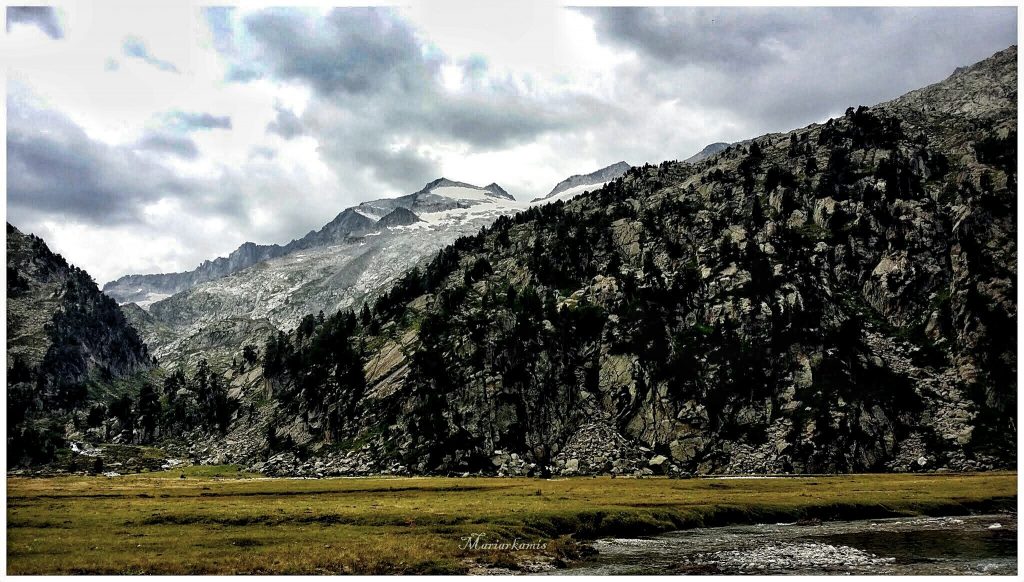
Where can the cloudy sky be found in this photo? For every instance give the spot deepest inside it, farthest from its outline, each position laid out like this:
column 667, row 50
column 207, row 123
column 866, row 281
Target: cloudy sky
column 148, row 136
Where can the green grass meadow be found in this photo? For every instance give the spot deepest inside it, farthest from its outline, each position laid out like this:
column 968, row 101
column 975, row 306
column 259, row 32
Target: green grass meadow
column 218, row 520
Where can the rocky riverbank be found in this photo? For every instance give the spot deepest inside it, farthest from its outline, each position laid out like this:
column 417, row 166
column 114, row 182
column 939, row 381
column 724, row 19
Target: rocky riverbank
column 971, row 544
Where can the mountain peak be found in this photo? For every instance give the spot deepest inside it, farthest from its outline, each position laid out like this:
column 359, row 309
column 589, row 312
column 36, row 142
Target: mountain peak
column 400, row 216
column 596, row 178
column 493, row 189
column 708, row 151
column 498, row 191
column 441, row 182
column 45, row 293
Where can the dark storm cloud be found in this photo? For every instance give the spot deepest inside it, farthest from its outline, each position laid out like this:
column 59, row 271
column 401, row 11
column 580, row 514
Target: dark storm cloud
column 368, row 148
column 42, row 17
column 404, row 169
column 57, row 172
column 62, row 172
column 777, row 68
column 135, row 48
column 375, row 83
column 495, row 121
column 188, row 121
column 371, row 62
column 730, row 38
column 361, row 136
column 286, row 124
column 166, row 143
column 352, row 50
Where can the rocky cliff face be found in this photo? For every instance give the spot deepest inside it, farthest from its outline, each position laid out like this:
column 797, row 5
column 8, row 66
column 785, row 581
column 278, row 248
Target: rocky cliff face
column 708, row 151
column 837, row 298
column 59, row 322
column 574, row 185
column 64, row 338
column 146, row 289
column 398, row 217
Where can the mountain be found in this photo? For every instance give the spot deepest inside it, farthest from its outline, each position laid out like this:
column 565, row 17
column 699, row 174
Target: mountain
column 348, row 223
column 706, row 153
column 437, row 196
column 498, row 191
column 66, row 342
column 837, row 298
column 349, row 260
column 577, row 184
column 146, row 289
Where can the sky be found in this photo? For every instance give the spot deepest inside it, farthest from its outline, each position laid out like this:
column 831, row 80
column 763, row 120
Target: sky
column 146, row 137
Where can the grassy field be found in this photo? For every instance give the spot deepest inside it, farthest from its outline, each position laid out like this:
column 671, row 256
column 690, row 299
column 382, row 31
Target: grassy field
column 217, row 520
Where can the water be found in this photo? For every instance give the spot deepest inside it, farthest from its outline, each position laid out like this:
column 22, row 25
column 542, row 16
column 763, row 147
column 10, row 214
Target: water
column 980, row 544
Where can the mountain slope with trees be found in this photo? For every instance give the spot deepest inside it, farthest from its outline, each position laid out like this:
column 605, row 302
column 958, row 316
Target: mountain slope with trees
column 837, row 298
column 65, row 342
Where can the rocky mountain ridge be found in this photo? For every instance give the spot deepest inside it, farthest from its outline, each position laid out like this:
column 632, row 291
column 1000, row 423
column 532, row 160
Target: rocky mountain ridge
column 65, row 342
column 708, row 151
column 575, row 184
column 837, row 298
column 349, row 260
column 346, row 262
column 146, row 289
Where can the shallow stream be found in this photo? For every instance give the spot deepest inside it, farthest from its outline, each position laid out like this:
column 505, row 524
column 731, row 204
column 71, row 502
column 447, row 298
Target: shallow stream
column 980, row 544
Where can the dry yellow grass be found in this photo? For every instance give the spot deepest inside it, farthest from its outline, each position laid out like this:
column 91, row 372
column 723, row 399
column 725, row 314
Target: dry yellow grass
column 209, row 524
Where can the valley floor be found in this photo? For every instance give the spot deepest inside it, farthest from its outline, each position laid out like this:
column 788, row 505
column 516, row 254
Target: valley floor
column 217, row 520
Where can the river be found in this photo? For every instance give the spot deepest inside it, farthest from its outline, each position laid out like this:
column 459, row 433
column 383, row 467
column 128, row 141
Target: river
column 980, row 544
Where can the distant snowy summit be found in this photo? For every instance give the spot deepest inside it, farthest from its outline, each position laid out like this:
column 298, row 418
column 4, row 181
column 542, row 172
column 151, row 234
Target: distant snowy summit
column 351, row 260
column 437, row 196
column 441, row 205
column 439, row 202
column 575, row 185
